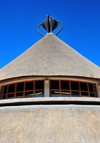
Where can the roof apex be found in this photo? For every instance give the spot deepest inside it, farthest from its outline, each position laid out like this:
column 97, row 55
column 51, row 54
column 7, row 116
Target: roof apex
column 50, row 56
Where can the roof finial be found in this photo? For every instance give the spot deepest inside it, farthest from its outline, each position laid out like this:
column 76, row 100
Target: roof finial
column 49, row 24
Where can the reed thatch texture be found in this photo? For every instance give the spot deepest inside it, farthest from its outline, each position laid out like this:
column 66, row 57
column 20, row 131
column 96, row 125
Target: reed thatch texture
column 50, row 57
column 50, row 124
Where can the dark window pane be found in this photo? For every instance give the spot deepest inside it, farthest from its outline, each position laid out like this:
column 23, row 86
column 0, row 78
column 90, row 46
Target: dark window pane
column 39, row 96
column 28, row 94
column 75, row 94
column 54, row 95
column 64, row 84
column 29, row 85
column 11, row 88
column 65, row 92
column 4, row 89
column 20, row 86
column 54, row 84
column 74, row 85
column 83, row 86
column 10, row 95
column 84, row 94
column 93, row 95
column 65, row 96
column 54, row 92
column 19, row 94
column 18, row 97
column 39, row 84
column 3, row 97
column 92, row 87
column 38, row 92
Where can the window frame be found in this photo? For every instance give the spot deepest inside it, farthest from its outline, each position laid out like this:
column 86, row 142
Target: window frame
column 15, row 90
column 70, row 95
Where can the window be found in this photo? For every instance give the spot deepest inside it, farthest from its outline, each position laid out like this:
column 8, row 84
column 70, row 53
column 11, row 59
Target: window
column 65, row 88
column 54, row 88
column 58, row 88
column 23, row 90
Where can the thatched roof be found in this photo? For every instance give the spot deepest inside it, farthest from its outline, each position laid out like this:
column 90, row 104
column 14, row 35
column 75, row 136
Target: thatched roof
column 50, row 57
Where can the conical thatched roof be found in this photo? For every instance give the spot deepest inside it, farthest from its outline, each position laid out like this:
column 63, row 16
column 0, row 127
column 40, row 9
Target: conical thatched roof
column 50, row 57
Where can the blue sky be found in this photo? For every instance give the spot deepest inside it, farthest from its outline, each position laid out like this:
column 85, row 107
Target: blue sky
column 19, row 20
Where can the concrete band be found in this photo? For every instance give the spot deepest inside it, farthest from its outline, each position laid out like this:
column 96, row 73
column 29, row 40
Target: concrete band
column 51, row 100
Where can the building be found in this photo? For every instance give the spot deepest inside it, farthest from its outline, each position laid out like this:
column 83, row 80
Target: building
column 53, row 94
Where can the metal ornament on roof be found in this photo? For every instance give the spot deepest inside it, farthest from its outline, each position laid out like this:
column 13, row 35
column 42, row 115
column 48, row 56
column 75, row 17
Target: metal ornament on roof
column 49, row 24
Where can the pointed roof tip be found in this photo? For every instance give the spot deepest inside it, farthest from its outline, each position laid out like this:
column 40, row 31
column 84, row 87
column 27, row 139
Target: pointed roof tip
column 49, row 24
column 50, row 56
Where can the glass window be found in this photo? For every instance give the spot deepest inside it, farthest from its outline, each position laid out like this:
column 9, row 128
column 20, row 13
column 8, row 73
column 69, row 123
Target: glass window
column 58, row 88
column 28, row 94
column 83, row 86
column 29, row 85
column 92, row 95
column 11, row 88
column 84, row 94
column 65, row 92
column 39, row 96
column 74, row 85
column 20, row 86
column 65, row 85
column 39, row 84
column 3, row 97
column 32, row 89
column 54, row 84
column 75, row 93
column 77, row 87
column 19, row 94
column 92, row 87
column 10, row 95
column 54, row 95
column 38, row 92
column 65, row 96
column 55, row 92
column 4, row 90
